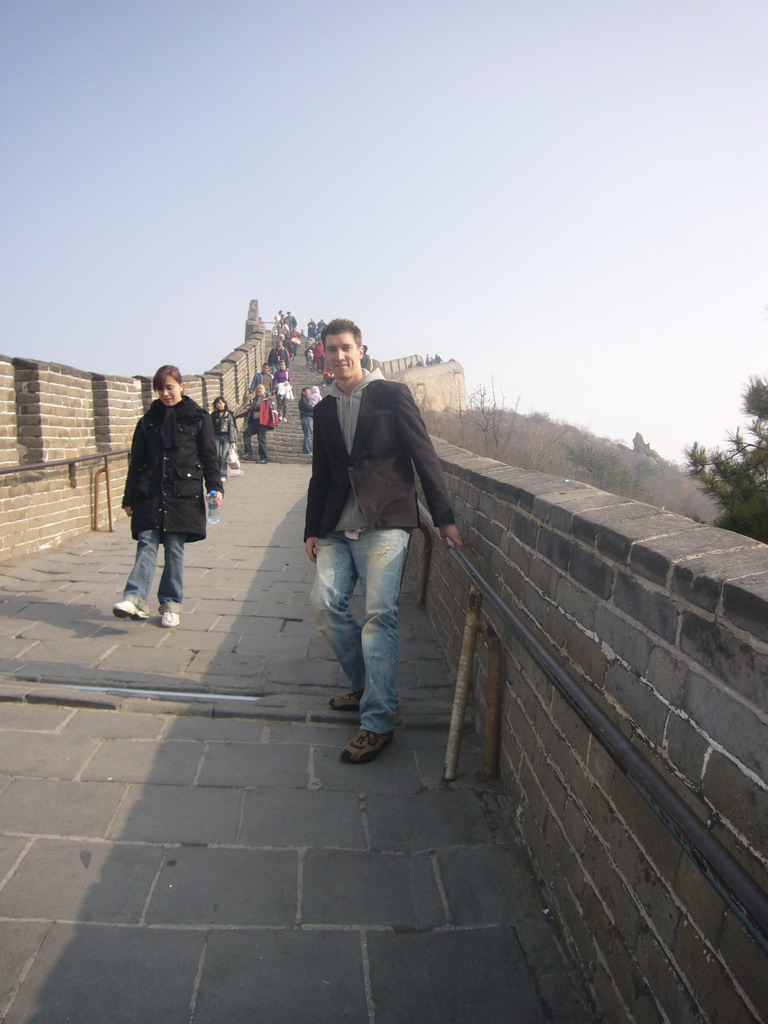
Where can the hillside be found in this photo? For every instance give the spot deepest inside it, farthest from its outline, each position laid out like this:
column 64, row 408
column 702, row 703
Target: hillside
column 537, row 442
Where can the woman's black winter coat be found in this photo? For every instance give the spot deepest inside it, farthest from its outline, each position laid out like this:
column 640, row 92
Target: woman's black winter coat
column 164, row 487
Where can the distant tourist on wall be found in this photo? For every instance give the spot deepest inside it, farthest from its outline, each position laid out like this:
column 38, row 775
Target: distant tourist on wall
column 281, row 388
column 277, row 353
column 366, row 362
column 262, row 377
column 224, row 431
column 266, row 420
column 319, row 356
column 173, row 451
column 305, row 415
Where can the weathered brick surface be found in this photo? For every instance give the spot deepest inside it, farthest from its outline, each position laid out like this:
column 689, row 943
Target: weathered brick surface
column 663, row 622
column 9, row 453
column 50, row 412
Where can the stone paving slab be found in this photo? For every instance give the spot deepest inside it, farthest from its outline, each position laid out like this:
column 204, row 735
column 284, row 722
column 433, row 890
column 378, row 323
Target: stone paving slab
column 52, row 807
column 169, row 763
column 55, row 881
column 96, row 973
column 261, row 887
column 44, row 754
column 175, row 814
column 173, row 858
column 303, row 818
column 253, row 976
column 370, row 889
column 489, row 979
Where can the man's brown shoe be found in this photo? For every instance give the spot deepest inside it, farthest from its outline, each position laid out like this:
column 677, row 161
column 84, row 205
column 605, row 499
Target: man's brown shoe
column 349, row 702
column 365, row 746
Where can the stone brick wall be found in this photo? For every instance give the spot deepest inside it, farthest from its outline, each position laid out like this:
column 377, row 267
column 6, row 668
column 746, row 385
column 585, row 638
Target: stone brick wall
column 435, row 388
column 50, row 412
column 393, row 366
column 664, row 623
column 9, row 449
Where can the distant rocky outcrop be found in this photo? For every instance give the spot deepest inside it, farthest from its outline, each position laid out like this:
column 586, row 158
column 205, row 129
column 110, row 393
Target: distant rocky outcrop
column 640, row 446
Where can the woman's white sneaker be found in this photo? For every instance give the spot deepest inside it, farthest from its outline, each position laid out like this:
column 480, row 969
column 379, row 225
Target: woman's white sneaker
column 128, row 610
column 170, row 619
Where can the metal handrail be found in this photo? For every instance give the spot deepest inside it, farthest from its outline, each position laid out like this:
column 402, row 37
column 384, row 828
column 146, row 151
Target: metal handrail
column 29, row 467
column 736, row 886
column 102, row 471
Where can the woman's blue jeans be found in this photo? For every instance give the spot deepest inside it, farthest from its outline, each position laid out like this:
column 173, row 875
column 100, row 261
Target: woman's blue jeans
column 367, row 653
column 222, row 448
column 171, row 589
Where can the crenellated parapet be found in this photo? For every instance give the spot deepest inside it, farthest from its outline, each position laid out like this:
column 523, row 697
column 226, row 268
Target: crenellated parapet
column 51, row 412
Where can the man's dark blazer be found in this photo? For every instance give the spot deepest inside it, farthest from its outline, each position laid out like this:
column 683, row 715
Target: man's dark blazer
column 389, row 440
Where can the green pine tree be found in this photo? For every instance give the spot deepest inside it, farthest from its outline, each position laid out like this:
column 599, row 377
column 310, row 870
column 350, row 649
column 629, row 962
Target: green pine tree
column 737, row 476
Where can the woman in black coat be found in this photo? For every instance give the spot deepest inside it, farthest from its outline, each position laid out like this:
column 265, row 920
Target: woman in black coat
column 172, row 453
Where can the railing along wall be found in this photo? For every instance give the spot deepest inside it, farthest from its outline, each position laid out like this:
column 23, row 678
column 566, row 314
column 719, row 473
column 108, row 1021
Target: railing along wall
column 663, row 624
column 54, row 417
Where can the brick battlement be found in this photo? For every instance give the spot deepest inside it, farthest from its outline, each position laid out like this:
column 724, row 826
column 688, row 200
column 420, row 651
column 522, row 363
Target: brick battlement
column 663, row 622
column 50, row 412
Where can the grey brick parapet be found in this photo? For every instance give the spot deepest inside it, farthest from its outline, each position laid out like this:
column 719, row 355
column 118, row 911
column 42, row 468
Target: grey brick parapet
column 50, row 412
column 664, row 622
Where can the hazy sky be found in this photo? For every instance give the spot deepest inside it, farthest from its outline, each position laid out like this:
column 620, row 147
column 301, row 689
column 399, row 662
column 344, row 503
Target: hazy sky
column 569, row 195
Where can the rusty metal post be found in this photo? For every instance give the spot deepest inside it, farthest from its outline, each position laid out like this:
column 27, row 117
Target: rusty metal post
column 463, row 678
column 109, row 495
column 102, row 471
column 492, row 740
column 96, row 481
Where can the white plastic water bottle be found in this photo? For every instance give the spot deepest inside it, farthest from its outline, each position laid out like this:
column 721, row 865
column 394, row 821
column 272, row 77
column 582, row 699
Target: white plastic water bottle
column 213, row 512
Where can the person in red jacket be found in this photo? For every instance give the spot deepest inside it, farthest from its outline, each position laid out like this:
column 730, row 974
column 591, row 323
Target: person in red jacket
column 320, row 356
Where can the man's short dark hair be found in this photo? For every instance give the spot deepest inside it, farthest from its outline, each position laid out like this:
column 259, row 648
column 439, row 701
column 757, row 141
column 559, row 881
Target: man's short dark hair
column 343, row 327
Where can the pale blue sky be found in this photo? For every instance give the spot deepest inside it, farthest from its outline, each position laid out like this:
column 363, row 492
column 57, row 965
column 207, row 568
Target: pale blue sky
column 569, row 194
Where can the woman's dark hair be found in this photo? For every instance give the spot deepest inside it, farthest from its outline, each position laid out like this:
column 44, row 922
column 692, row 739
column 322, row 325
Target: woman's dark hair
column 220, row 399
column 163, row 374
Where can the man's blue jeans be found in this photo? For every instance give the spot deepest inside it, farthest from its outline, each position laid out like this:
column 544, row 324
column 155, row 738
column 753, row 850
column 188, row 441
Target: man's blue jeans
column 307, row 427
column 171, row 589
column 367, row 653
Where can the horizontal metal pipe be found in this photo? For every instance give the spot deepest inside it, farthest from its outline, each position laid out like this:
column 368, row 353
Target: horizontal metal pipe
column 29, row 467
column 136, row 692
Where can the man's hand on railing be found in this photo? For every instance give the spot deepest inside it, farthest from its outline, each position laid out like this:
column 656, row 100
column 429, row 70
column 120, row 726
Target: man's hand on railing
column 449, row 532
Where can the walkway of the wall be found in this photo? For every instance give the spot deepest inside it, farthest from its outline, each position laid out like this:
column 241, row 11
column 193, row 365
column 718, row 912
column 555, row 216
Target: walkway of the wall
column 665, row 623
column 50, row 412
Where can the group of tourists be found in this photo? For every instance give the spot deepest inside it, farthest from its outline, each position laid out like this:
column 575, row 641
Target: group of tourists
column 368, row 436
column 315, row 330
